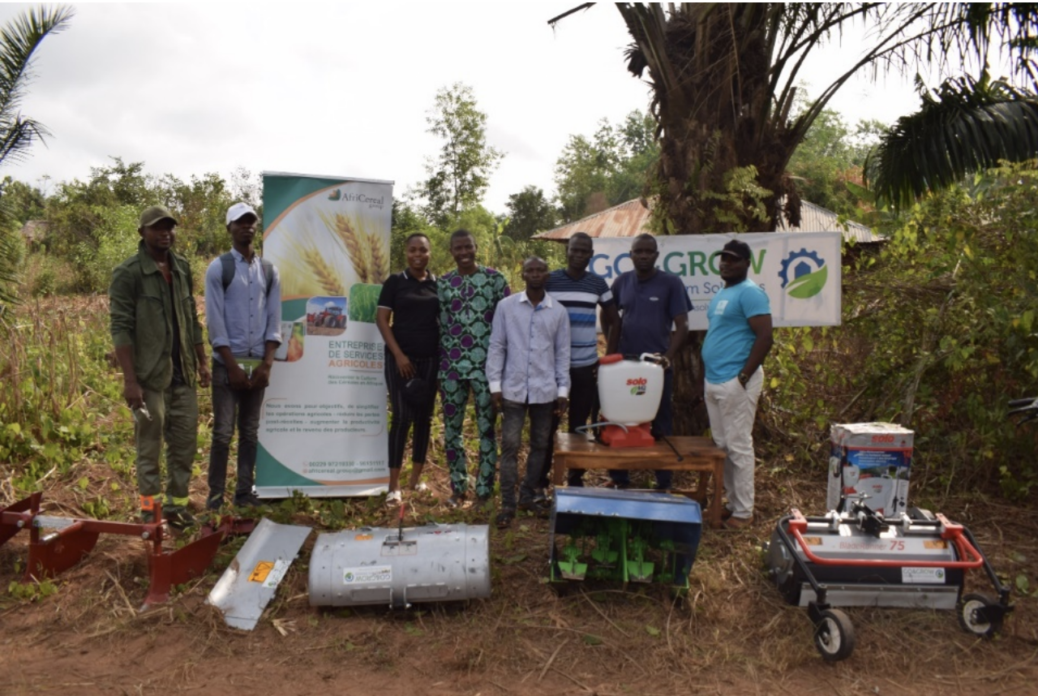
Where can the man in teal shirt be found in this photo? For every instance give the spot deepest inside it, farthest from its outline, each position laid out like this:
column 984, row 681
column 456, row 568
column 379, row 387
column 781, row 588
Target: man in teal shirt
column 737, row 342
column 158, row 344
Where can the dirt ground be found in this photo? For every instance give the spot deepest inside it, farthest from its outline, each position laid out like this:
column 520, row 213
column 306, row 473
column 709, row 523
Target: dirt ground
column 734, row 634
column 315, row 330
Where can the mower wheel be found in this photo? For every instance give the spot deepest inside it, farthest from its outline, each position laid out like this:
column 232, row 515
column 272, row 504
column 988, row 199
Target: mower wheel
column 834, row 636
column 975, row 617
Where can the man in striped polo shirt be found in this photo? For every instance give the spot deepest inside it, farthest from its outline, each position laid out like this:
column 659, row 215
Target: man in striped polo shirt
column 581, row 293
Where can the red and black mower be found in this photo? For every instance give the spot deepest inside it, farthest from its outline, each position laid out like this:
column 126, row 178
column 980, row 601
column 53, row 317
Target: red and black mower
column 858, row 558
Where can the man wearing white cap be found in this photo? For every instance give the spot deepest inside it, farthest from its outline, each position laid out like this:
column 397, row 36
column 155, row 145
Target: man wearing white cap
column 243, row 313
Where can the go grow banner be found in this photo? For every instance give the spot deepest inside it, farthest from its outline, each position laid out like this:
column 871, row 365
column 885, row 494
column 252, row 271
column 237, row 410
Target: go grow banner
column 323, row 424
column 800, row 271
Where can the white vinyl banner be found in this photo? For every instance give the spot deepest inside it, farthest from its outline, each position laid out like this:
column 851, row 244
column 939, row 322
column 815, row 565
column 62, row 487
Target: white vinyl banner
column 800, row 271
column 323, row 424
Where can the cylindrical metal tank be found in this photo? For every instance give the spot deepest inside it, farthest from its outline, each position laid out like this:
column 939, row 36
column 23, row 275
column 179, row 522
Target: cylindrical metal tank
column 434, row 563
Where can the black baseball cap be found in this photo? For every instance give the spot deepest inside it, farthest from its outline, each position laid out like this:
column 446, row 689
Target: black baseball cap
column 736, row 248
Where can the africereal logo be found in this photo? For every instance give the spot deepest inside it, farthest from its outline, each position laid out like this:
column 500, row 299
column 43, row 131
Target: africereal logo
column 370, row 201
column 803, row 274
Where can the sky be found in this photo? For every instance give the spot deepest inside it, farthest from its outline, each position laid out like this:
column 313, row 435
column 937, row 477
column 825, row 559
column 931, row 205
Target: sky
column 344, row 89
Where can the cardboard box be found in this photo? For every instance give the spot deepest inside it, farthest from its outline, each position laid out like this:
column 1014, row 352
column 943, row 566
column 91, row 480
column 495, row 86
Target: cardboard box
column 872, row 459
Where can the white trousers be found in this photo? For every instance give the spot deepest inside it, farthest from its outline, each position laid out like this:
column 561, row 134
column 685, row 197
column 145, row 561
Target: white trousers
column 732, row 409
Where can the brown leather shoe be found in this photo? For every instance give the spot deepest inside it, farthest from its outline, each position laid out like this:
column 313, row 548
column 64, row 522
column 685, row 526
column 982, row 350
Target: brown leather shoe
column 726, row 514
column 737, row 523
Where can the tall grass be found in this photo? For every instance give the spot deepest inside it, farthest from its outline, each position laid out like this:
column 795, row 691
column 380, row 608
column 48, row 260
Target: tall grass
column 61, row 399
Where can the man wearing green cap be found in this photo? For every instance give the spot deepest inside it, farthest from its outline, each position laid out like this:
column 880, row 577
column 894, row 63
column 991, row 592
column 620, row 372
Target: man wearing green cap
column 158, row 343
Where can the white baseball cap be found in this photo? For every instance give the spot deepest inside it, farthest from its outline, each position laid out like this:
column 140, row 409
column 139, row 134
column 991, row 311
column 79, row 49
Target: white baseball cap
column 238, row 211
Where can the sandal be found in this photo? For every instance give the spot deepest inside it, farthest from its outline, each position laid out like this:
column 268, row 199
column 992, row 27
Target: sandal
column 456, row 500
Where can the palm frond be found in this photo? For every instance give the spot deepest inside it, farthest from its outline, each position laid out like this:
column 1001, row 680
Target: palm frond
column 17, row 136
column 965, row 126
column 19, row 39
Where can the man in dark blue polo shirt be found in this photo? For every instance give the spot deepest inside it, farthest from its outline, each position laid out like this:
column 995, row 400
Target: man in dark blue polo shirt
column 651, row 301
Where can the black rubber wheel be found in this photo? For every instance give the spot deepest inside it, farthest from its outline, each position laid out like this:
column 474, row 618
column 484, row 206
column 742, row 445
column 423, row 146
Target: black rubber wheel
column 834, row 636
column 975, row 618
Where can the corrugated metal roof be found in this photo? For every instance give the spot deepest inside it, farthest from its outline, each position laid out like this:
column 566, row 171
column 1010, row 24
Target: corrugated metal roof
column 815, row 218
column 625, row 220
column 35, row 230
column 632, row 218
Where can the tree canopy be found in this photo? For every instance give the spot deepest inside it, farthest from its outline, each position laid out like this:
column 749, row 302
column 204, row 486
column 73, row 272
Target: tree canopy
column 965, row 125
column 529, row 212
column 610, row 167
column 724, row 82
column 459, row 176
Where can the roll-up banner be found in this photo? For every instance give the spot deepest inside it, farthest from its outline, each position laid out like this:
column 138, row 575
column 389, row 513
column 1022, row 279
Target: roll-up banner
column 323, row 424
column 800, row 271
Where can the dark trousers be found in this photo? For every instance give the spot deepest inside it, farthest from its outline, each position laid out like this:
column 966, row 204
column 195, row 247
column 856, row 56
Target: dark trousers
column 662, row 424
column 232, row 407
column 583, row 405
column 405, row 414
column 511, row 437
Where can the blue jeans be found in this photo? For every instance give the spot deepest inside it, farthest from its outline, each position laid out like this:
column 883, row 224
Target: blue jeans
column 226, row 402
column 511, row 436
column 662, row 424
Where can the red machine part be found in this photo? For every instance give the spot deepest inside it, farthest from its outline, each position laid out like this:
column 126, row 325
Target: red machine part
column 62, row 549
column 949, row 532
column 633, row 436
column 18, row 516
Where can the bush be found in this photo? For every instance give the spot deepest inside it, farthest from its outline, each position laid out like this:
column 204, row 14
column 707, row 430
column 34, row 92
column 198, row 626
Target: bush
column 114, row 240
column 44, row 275
column 938, row 333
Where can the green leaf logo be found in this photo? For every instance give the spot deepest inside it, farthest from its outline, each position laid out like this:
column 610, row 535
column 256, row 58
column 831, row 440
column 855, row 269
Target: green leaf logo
column 809, row 285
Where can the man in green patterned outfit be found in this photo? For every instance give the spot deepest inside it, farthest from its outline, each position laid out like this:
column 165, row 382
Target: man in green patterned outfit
column 468, row 297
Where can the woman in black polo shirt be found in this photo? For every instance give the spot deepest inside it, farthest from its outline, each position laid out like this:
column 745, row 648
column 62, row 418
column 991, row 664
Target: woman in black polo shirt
column 412, row 346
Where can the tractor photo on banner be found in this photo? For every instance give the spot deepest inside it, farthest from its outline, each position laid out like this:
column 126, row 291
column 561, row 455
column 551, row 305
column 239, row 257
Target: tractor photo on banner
column 323, row 425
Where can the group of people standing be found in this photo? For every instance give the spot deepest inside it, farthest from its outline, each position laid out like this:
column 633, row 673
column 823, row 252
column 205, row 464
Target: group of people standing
column 159, row 347
column 531, row 354
column 534, row 355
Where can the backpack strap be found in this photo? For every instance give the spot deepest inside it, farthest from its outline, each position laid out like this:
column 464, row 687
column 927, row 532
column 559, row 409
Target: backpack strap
column 227, row 261
column 227, row 264
column 268, row 273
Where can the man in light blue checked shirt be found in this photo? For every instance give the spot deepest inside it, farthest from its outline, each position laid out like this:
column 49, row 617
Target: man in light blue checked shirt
column 527, row 370
column 243, row 313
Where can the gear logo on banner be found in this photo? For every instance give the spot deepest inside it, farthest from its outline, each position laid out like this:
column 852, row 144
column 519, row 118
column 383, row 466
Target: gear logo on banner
column 803, row 274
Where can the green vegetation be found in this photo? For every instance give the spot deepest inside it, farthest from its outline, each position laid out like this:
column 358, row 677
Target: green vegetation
column 19, row 40
column 60, row 414
column 938, row 334
column 606, row 169
column 364, row 302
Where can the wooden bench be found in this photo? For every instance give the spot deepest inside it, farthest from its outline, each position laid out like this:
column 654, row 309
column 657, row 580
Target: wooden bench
column 575, row 451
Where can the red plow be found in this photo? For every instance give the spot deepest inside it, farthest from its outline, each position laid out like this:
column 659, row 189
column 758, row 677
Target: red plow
column 68, row 540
